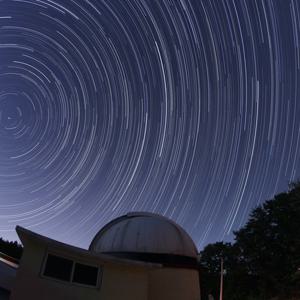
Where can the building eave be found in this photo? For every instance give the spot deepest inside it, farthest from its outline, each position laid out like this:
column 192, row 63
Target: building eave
column 26, row 236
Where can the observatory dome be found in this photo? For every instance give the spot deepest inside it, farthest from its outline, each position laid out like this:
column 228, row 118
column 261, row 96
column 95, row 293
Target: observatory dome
column 143, row 233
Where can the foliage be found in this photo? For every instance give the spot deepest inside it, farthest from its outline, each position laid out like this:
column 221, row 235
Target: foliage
column 13, row 249
column 263, row 262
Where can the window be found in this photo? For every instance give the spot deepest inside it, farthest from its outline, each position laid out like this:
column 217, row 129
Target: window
column 58, row 267
column 73, row 272
column 85, row 274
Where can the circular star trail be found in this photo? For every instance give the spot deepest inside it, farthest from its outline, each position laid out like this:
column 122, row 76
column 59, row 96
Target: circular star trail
column 185, row 108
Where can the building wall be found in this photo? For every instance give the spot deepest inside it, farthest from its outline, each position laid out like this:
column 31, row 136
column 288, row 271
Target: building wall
column 125, row 284
column 4, row 294
column 175, row 284
column 117, row 281
column 7, row 276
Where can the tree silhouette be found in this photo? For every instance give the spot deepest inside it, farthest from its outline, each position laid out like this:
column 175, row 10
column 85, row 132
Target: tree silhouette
column 269, row 244
column 264, row 260
column 13, row 249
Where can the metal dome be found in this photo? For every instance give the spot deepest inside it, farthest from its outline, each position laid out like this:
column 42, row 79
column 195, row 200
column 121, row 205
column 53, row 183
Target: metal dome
column 143, row 233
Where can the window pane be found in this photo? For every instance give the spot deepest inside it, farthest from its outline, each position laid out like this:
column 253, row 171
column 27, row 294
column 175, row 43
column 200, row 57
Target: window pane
column 58, row 267
column 85, row 274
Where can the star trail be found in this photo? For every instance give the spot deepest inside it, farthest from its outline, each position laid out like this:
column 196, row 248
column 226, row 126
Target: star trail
column 185, row 108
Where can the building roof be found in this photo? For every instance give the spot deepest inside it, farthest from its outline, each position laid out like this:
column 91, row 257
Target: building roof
column 143, row 233
column 26, row 236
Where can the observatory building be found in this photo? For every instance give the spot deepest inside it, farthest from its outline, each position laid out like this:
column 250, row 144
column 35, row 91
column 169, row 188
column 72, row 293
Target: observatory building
column 139, row 256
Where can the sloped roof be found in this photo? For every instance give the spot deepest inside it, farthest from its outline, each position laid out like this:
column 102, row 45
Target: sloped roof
column 26, row 236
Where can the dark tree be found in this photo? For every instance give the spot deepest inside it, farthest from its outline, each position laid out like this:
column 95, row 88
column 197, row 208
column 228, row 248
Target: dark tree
column 269, row 244
column 13, row 249
column 264, row 261
column 210, row 267
column 238, row 283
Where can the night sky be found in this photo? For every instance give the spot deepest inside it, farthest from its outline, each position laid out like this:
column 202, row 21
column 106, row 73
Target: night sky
column 185, row 108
